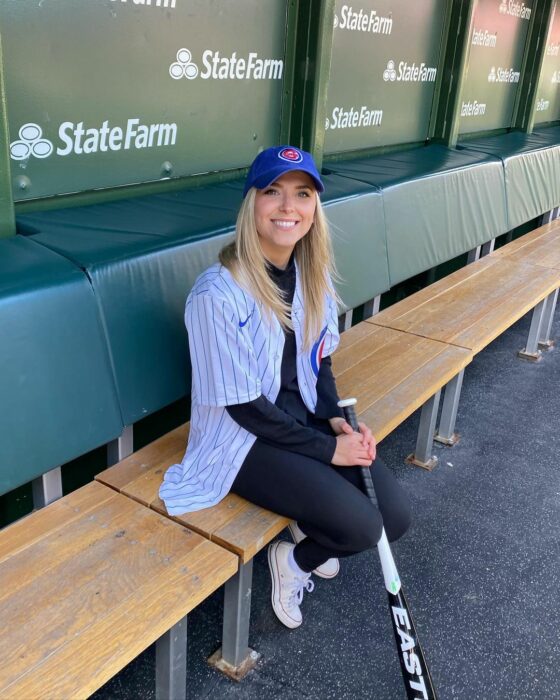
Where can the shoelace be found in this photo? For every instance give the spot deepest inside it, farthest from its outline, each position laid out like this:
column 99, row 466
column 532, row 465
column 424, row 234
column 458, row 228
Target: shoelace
column 300, row 583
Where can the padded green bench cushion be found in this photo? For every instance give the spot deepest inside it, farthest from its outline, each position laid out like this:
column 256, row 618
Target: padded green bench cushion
column 532, row 172
column 438, row 203
column 143, row 255
column 57, row 394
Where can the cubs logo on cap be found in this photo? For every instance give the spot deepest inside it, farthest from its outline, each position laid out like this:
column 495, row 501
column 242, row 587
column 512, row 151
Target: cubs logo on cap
column 292, row 155
column 274, row 162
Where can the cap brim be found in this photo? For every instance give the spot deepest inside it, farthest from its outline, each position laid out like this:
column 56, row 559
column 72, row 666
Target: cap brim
column 267, row 178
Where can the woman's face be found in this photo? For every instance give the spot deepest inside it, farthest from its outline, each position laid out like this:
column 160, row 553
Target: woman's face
column 284, row 213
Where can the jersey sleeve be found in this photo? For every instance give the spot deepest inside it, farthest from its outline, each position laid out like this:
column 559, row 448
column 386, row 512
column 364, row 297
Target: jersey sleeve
column 332, row 336
column 224, row 366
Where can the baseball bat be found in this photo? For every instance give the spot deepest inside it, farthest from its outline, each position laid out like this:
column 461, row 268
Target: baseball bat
column 415, row 673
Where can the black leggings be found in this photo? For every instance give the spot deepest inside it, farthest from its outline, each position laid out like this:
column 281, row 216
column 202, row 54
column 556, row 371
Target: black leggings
column 326, row 501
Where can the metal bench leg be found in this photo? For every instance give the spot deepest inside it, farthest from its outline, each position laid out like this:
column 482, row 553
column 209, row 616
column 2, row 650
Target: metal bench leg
column 371, row 307
column 47, row 488
column 473, row 255
column 121, row 447
column 422, row 456
column 235, row 659
column 446, row 433
column 345, row 321
column 487, row 247
column 171, row 663
column 531, row 350
column 545, row 341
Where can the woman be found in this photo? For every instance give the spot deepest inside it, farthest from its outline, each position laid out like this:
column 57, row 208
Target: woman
column 265, row 423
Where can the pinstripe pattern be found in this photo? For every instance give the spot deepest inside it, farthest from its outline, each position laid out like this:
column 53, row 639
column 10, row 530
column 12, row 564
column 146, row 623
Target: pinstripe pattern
column 236, row 355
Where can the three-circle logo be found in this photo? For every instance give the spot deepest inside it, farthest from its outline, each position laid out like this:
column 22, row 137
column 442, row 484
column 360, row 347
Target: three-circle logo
column 292, row 155
column 184, row 66
column 335, row 21
column 390, row 73
column 30, row 143
column 492, row 75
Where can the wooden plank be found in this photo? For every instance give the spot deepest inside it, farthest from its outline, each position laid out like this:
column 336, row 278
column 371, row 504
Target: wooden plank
column 475, row 310
column 250, row 531
column 523, row 248
column 390, row 410
column 136, row 621
column 57, row 516
column 105, row 568
column 393, row 382
column 414, row 302
column 165, row 450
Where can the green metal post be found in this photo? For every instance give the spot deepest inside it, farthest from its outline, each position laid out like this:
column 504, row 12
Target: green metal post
column 533, row 58
column 312, row 69
column 446, row 127
column 7, row 216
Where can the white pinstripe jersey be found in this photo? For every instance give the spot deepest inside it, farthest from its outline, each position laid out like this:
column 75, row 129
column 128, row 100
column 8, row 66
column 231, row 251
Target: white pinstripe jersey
column 236, row 355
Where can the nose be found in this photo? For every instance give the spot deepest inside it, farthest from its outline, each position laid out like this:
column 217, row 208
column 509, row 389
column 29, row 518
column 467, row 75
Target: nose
column 287, row 202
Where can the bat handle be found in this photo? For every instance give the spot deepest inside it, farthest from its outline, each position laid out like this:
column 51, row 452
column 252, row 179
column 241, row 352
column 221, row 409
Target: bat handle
column 388, row 566
column 347, row 406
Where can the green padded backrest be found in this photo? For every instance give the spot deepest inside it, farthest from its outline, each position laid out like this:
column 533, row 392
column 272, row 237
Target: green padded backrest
column 438, row 203
column 57, row 395
column 532, row 172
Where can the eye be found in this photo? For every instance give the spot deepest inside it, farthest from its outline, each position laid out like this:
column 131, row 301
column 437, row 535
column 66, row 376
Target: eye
column 270, row 191
column 305, row 194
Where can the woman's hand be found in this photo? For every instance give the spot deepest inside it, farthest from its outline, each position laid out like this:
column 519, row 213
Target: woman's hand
column 360, row 447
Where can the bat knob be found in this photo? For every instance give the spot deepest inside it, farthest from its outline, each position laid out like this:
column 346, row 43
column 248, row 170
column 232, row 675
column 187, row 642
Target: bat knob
column 345, row 403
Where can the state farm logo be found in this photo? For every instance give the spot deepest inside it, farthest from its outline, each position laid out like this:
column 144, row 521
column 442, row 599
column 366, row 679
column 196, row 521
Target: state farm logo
column 542, row 105
column 555, row 77
column 30, row 143
column 363, row 21
column 75, row 138
column 503, row 75
column 473, row 108
column 170, row 4
column 353, row 118
column 409, row 72
column 515, row 9
column 390, row 74
column 553, row 50
column 184, row 67
column 482, row 37
column 232, row 67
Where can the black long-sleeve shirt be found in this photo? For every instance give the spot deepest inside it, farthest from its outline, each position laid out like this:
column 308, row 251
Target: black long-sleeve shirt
column 287, row 423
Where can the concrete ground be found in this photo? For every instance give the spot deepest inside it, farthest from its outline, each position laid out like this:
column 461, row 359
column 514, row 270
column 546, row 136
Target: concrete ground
column 480, row 566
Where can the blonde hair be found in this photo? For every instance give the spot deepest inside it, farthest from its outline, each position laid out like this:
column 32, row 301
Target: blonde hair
column 313, row 253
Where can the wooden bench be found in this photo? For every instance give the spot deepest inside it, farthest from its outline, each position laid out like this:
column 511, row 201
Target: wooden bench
column 89, row 582
column 540, row 247
column 469, row 309
column 392, row 374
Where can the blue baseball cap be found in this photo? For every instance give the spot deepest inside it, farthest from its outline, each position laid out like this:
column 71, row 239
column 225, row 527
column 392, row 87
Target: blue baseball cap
column 270, row 164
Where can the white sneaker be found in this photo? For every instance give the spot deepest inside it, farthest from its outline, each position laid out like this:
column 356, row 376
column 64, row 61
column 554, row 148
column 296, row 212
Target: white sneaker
column 287, row 586
column 327, row 570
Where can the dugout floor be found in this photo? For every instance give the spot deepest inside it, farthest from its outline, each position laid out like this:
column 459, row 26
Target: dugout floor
column 480, row 566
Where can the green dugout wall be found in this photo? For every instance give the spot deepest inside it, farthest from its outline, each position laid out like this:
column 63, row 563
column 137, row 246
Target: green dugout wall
column 104, row 94
column 125, row 131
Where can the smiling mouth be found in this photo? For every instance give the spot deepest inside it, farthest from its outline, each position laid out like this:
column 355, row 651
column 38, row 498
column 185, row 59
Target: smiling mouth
column 284, row 224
